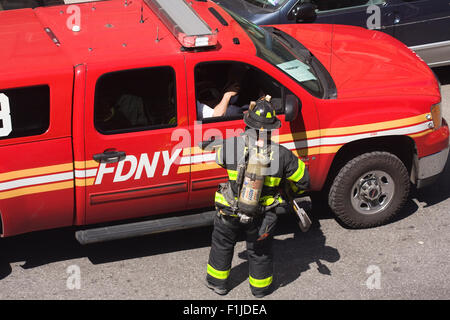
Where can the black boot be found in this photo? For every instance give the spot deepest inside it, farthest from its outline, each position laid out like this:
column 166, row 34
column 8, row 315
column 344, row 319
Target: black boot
column 219, row 289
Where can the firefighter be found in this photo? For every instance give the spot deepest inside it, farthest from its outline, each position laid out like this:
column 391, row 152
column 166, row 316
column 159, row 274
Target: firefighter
column 256, row 169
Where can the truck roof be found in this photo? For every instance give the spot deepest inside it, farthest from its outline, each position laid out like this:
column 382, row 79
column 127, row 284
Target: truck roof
column 109, row 30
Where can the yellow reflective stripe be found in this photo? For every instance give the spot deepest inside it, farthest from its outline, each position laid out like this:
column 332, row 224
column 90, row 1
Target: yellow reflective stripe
column 26, row 173
column 293, row 187
column 232, row 174
column 219, row 198
column 260, row 283
column 299, row 173
column 219, row 149
column 36, row 189
column 267, row 200
column 221, row 275
column 272, row 181
column 226, row 214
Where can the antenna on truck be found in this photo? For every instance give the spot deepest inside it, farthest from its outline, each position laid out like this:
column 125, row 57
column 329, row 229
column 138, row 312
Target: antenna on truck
column 142, row 13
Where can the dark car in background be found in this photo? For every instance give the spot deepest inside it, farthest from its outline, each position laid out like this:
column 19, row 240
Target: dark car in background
column 423, row 25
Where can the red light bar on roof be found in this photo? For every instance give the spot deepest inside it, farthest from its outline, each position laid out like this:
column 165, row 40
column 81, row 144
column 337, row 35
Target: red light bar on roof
column 184, row 23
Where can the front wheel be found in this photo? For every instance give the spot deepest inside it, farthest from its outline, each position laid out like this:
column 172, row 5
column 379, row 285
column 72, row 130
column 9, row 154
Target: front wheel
column 369, row 190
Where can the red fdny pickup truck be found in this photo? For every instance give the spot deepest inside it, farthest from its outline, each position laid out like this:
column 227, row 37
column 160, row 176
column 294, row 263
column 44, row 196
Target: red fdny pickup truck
column 101, row 114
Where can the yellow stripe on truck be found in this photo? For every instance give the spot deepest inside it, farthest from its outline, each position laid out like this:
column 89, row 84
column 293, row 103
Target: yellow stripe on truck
column 36, row 171
column 36, row 189
column 375, row 126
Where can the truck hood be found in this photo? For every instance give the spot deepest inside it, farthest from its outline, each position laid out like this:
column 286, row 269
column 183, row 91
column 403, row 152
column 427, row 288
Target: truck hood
column 366, row 63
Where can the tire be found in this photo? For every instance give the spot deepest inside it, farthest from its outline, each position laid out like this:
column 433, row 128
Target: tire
column 369, row 190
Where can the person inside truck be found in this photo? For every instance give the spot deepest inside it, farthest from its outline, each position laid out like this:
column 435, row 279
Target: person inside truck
column 223, row 108
column 135, row 99
column 127, row 111
column 243, row 84
column 208, row 94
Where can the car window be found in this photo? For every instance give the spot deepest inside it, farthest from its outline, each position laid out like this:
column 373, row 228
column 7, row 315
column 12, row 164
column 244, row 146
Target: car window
column 328, row 5
column 214, row 79
column 24, row 111
column 135, row 100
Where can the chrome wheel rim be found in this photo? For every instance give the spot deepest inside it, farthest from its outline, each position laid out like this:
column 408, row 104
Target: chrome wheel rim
column 372, row 192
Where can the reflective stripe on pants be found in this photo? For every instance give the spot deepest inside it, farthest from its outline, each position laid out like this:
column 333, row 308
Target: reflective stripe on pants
column 260, row 258
column 221, row 275
column 260, row 283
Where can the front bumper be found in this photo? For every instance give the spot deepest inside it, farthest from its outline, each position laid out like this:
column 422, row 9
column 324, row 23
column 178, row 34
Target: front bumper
column 428, row 168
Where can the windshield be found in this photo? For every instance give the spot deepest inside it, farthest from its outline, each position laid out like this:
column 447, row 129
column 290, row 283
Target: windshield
column 271, row 4
column 276, row 51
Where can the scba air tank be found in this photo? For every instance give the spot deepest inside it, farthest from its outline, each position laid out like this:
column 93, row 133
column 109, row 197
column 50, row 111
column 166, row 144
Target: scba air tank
column 253, row 183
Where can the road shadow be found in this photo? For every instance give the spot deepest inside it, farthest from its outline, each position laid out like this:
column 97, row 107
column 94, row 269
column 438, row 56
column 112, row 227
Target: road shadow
column 44, row 247
column 443, row 73
column 293, row 255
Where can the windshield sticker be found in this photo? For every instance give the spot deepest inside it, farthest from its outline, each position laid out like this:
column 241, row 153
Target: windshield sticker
column 298, row 70
column 273, row 2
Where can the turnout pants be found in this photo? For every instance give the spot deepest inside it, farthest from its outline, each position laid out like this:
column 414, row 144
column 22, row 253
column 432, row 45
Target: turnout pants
column 226, row 232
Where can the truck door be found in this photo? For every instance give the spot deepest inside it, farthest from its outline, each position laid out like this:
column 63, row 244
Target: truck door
column 131, row 159
column 207, row 81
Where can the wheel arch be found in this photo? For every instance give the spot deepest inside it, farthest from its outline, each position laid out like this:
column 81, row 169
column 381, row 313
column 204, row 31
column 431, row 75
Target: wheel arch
column 404, row 147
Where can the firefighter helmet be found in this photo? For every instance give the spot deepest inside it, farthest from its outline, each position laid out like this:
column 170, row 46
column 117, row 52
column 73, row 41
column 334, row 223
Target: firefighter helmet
column 261, row 115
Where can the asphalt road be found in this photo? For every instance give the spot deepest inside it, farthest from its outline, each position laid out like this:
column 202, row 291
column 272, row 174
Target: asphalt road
column 405, row 259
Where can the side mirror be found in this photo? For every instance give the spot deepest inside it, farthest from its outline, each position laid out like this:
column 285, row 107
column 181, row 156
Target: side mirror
column 291, row 108
column 303, row 12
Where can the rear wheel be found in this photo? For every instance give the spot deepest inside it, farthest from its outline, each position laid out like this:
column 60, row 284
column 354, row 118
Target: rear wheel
column 369, row 190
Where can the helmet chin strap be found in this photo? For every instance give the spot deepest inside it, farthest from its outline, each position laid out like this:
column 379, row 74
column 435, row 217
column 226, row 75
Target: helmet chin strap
column 262, row 138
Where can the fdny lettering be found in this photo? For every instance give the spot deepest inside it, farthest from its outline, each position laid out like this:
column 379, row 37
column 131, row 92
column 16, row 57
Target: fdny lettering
column 137, row 167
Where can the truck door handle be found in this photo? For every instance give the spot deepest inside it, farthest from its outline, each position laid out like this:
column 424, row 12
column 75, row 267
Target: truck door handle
column 110, row 156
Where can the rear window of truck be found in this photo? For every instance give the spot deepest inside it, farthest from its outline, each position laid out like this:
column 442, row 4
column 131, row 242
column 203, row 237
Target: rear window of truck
column 24, row 111
column 135, row 100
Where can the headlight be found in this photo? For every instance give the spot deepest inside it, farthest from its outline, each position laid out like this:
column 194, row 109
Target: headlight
column 436, row 115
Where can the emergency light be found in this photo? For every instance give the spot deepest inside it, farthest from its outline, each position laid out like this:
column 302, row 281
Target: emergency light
column 184, row 23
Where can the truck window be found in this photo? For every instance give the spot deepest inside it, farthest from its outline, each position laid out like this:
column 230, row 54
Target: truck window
column 135, row 100
column 24, row 111
column 213, row 80
column 288, row 55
